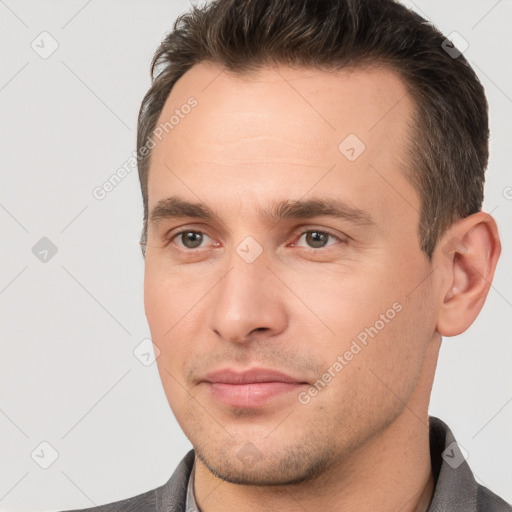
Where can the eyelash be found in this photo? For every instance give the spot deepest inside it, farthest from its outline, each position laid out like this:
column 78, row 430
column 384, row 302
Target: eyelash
column 324, row 231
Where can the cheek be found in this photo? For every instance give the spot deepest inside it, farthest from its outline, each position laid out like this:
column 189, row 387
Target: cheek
column 175, row 306
column 170, row 316
column 169, row 299
column 374, row 373
column 163, row 315
column 377, row 326
column 347, row 299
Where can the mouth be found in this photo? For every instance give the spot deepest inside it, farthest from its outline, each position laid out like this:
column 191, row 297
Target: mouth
column 251, row 388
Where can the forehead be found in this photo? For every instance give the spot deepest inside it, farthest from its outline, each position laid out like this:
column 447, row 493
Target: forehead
column 281, row 126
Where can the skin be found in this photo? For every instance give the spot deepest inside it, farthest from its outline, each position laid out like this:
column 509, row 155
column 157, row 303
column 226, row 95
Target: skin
column 362, row 441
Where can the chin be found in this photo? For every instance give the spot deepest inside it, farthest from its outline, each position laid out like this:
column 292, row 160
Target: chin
column 293, row 466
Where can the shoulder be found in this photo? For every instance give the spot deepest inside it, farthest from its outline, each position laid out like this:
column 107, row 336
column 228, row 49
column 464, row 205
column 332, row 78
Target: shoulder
column 456, row 488
column 145, row 502
column 487, row 501
column 168, row 497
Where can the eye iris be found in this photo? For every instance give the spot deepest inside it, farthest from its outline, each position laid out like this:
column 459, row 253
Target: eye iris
column 316, row 239
column 191, row 239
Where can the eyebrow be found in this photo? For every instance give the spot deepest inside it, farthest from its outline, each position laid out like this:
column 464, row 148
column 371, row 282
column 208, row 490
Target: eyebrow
column 175, row 207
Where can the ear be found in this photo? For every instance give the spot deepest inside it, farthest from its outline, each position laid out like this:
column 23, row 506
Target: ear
column 468, row 254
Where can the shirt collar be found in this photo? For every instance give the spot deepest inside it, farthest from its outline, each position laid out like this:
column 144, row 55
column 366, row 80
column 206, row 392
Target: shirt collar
column 190, row 502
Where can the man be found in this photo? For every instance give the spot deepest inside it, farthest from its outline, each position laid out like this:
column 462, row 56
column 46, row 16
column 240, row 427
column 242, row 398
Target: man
column 312, row 175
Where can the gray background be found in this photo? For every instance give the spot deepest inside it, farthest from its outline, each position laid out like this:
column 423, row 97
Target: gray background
column 69, row 325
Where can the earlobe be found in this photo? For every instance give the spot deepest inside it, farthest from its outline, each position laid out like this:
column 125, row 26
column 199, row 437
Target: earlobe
column 468, row 253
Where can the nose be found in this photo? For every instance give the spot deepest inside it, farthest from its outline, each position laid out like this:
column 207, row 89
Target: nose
column 247, row 300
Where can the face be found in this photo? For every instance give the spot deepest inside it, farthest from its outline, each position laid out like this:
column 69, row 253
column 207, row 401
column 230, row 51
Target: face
column 294, row 295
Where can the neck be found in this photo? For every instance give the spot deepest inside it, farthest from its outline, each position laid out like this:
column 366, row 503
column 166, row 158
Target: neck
column 391, row 472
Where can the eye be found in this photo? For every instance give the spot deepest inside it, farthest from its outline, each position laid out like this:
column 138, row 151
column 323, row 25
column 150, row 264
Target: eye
column 314, row 239
column 317, row 239
column 190, row 239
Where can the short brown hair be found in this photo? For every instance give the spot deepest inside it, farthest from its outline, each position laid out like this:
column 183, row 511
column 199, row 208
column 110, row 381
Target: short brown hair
column 448, row 148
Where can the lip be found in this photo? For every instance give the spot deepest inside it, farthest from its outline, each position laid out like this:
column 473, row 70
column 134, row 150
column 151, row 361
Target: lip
column 251, row 376
column 250, row 388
